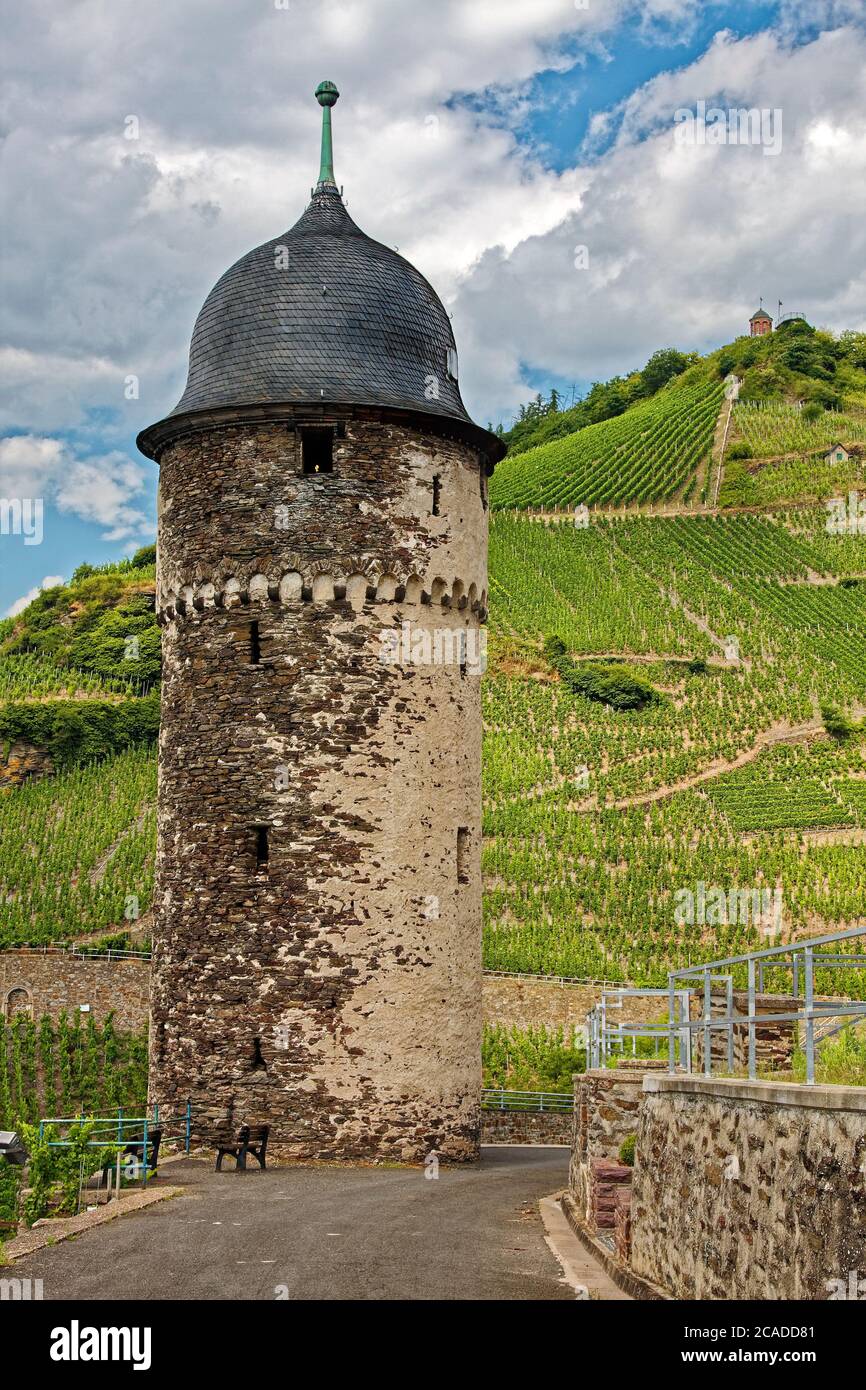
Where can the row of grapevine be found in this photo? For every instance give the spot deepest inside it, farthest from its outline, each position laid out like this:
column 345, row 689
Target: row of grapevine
column 67, row 1068
column 646, row 454
column 783, row 430
column 77, row 851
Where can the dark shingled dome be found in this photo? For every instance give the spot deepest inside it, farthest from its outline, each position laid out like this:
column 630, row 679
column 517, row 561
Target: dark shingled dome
column 323, row 314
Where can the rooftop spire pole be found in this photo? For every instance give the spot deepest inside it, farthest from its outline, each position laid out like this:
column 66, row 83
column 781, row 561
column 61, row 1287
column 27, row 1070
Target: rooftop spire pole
column 326, row 96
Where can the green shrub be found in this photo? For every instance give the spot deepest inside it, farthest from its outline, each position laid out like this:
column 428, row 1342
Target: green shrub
column 626, row 1150
column 837, row 724
column 532, row 1059
column 81, row 731
column 740, row 450
column 610, row 683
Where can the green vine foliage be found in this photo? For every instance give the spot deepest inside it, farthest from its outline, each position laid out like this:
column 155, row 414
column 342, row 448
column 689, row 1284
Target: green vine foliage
column 532, row 1059
column 46, row 1067
column 55, row 1174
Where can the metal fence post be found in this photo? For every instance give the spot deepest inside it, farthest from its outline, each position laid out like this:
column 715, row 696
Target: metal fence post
column 188, row 1124
column 810, row 1022
column 708, row 1009
column 729, row 1009
column 672, row 1009
column 752, row 1068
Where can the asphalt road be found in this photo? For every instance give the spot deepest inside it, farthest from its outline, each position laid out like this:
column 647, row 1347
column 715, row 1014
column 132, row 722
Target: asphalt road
column 325, row 1233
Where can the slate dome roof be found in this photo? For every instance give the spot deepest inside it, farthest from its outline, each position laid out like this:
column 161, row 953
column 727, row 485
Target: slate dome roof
column 323, row 315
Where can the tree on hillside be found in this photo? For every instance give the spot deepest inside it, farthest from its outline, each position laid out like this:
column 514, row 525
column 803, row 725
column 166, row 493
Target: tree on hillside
column 662, row 366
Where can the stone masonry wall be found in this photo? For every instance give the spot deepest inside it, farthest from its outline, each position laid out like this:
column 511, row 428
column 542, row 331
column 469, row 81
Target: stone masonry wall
column 24, row 762
column 774, row 1042
column 526, row 1003
column 525, row 1127
column 606, row 1110
column 56, row 981
column 749, row 1189
column 333, row 992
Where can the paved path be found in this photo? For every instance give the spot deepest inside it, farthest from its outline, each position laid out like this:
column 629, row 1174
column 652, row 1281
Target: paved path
column 326, row 1233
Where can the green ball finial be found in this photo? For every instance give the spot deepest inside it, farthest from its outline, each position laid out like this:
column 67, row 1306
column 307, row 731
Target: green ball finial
column 327, row 94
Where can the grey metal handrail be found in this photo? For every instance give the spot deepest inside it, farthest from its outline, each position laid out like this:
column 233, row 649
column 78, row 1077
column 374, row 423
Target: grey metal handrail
column 555, row 1101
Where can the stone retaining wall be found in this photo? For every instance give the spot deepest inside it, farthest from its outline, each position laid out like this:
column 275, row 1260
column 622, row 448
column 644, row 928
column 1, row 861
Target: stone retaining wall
column 522, row 1003
column 606, row 1109
column 774, row 1042
column 51, row 982
column 55, row 981
column 525, row 1127
column 749, row 1189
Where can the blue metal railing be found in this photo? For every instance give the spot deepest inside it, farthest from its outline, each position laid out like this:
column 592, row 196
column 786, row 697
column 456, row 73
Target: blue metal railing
column 116, row 1131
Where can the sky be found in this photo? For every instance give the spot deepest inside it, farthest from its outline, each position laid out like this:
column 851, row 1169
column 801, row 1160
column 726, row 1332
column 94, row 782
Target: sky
column 533, row 160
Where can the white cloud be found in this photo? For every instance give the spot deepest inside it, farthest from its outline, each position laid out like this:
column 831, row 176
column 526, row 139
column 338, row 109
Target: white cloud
column 50, row 581
column 682, row 241
column 29, row 465
column 114, row 243
column 98, row 488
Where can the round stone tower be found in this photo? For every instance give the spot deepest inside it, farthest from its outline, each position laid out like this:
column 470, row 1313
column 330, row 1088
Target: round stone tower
column 322, row 591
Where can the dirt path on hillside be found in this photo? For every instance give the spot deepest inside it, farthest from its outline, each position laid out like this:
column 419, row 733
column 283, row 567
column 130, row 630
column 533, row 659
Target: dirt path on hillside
column 97, row 873
column 778, row 733
column 63, row 696
column 720, row 439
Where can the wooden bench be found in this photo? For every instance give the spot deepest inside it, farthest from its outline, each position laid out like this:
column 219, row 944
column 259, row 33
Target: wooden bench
column 250, row 1139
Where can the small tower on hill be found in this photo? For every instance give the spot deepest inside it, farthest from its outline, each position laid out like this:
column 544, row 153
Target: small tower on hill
column 760, row 323
column 322, row 586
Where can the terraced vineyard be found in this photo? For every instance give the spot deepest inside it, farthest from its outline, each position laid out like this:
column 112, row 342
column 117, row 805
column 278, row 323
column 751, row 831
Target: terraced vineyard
column 596, row 820
column 772, row 427
column 647, row 454
column 26, row 676
column 75, row 847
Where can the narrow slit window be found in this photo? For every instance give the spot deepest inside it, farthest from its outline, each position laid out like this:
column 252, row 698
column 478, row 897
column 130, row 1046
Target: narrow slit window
column 258, row 1062
column 255, row 644
column 463, row 854
column 262, row 849
column 437, row 493
column 317, row 451
column 464, row 661
column 483, row 484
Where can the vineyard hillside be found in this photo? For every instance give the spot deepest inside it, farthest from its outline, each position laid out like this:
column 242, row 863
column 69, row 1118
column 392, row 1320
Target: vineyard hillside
column 671, row 701
column 749, row 425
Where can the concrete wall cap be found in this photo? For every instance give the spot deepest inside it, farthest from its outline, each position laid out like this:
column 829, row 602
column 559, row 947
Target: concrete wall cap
column 795, row 1094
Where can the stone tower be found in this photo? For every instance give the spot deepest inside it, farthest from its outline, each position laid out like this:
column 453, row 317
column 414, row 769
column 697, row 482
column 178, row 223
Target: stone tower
column 321, row 588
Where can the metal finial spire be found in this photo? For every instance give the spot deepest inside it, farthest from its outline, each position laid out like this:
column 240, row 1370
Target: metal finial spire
column 326, row 96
